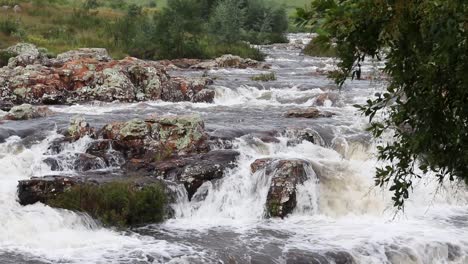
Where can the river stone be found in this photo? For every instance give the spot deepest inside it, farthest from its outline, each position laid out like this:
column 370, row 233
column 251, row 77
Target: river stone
column 79, row 128
column 298, row 135
column 285, row 175
column 27, row 111
column 310, row 112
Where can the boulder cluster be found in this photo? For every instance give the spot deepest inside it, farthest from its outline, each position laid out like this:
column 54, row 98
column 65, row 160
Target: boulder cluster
column 89, row 74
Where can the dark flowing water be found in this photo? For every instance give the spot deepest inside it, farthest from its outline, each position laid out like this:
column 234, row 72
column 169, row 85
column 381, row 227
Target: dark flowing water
column 343, row 219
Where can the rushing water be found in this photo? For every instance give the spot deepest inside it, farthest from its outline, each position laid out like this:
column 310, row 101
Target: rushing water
column 340, row 216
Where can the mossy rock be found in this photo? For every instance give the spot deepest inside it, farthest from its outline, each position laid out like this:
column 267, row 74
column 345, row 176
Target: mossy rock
column 119, row 204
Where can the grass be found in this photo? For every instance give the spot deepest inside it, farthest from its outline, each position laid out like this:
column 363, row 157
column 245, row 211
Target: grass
column 118, row 204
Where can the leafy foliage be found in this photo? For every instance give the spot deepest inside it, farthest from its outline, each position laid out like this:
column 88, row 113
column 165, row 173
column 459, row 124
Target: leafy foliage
column 425, row 48
column 118, row 204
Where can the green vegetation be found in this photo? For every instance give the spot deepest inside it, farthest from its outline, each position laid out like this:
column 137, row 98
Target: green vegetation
column 264, row 77
column 147, row 29
column 119, row 204
column 5, row 56
column 425, row 107
column 319, row 48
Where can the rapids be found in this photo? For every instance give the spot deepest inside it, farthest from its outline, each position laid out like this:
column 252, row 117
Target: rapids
column 341, row 218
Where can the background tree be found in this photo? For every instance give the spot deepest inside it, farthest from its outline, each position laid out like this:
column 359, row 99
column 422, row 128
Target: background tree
column 226, row 21
column 424, row 44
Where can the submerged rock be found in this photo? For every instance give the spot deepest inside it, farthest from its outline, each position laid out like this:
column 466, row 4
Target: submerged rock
column 27, row 111
column 310, row 112
column 285, row 175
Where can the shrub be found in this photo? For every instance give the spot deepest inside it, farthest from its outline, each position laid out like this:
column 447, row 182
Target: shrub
column 264, row 77
column 119, row 204
column 9, row 26
column 5, row 56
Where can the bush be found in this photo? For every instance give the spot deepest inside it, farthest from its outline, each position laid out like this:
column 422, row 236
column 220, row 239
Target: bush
column 119, row 204
column 5, row 56
column 9, row 27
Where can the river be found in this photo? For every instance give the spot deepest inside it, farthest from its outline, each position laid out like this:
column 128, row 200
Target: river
column 340, row 216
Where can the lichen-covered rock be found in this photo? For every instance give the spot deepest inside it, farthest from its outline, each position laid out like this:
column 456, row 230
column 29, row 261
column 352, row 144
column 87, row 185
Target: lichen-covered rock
column 188, row 89
column 231, row 61
column 310, row 112
column 27, row 111
column 26, row 54
column 98, row 54
column 79, row 128
column 90, row 74
column 285, row 175
column 157, row 138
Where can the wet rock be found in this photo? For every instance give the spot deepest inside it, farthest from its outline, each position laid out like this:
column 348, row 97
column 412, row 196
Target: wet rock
column 27, row 111
column 188, row 89
column 195, row 170
column 260, row 164
column 230, row 61
column 43, row 188
column 6, row 106
column 310, row 112
column 298, row 135
column 301, row 257
column 79, row 128
column 79, row 162
column 86, row 162
column 90, row 74
column 285, row 175
column 326, row 99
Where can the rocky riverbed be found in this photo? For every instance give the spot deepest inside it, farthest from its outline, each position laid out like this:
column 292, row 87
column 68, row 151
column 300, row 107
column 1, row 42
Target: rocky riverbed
column 277, row 171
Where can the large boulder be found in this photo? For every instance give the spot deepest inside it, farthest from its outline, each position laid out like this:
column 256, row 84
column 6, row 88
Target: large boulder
column 26, row 54
column 43, row 188
column 157, row 138
column 27, row 111
column 98, row 54
column 194, row 170
column 285, row 175
column 90, row 74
